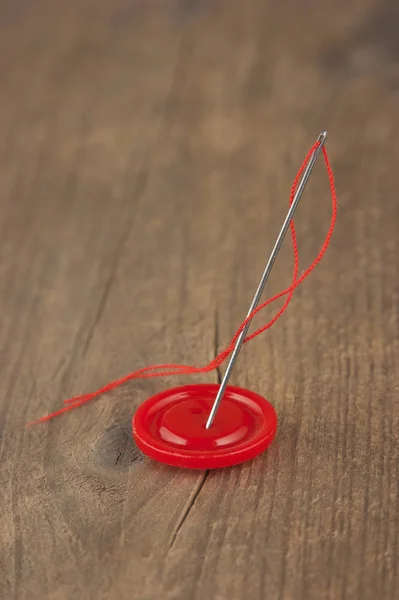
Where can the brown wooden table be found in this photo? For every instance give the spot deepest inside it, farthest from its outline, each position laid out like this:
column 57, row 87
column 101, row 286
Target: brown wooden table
column 147, row 152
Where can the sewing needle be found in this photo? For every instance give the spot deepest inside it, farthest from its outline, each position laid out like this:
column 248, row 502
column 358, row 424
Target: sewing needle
column 265, row 276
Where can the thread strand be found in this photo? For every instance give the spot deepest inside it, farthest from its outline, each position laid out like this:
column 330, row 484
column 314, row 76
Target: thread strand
column 169, row 369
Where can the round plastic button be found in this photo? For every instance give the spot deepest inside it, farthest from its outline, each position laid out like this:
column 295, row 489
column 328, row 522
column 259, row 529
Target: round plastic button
column 170, row 427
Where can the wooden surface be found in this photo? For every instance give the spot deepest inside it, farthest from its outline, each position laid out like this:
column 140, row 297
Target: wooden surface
column 146, row 155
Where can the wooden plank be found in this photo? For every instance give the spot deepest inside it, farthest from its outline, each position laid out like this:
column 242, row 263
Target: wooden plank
column 147, row 153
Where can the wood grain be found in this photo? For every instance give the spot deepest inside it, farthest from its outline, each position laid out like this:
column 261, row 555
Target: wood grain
column 146, row 156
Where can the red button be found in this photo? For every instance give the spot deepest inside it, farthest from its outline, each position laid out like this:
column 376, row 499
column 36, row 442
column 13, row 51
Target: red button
column 170, row 427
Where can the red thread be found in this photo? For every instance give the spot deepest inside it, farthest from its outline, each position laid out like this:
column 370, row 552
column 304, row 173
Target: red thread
column 176, row 369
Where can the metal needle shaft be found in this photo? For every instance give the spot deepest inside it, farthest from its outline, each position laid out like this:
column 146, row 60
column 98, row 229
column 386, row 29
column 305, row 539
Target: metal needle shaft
column 265, row 276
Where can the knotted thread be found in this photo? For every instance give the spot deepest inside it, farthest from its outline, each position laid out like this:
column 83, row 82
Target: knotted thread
column 177, row 369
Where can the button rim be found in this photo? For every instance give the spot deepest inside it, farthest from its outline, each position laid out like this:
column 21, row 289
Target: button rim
column 207, row 459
